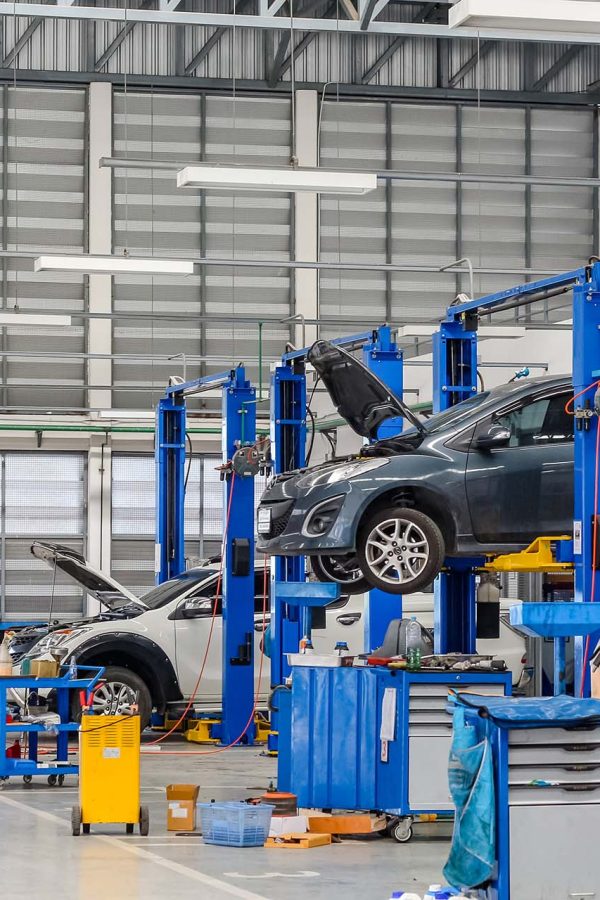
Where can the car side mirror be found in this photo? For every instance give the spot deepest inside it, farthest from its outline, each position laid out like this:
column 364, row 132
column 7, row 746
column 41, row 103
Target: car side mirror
column 495, row 436
column 195, row 608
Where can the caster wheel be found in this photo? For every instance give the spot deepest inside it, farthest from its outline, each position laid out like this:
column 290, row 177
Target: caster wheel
column 129, row 828
column 27, row 779
column 61, row 780
column 86, row 828
column 144, row 820
column 76, row 821
column 52, row 780
column 402, row 832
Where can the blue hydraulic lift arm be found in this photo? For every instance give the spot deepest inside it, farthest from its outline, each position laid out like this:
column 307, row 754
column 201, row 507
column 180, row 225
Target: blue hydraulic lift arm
column 460, row 311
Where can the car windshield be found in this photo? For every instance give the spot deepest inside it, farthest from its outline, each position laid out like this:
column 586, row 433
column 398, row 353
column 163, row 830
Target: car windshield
column 454, row 414
column 163, row 593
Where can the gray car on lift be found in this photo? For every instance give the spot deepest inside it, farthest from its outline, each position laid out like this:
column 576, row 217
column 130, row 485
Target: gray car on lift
column 488, row 475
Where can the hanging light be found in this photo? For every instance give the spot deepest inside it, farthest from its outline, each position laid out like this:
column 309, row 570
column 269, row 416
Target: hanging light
column 113, row 265
column 565, row 16
column 18, row 318
column 286, row 178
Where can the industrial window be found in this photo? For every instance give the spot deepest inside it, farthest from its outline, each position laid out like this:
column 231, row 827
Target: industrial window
column 43, row 496
column 133, row 515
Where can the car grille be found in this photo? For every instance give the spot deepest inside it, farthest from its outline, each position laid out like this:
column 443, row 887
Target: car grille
column 280, row 516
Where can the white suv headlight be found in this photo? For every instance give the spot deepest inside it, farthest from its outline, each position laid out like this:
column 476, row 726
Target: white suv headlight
column 55, row 638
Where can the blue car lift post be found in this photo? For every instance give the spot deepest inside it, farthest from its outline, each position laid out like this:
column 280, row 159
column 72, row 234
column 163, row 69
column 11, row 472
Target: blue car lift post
column 239, row 430
column 460, row 323
column 291, row 620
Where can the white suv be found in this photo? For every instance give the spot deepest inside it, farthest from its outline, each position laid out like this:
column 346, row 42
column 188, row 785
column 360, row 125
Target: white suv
column 153, row 645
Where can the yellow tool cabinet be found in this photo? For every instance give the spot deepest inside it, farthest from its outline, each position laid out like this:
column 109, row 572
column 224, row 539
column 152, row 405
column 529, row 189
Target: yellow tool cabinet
column 109, row 774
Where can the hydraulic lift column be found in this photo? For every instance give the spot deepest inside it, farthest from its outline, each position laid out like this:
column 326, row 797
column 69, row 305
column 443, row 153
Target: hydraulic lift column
column 455, row 379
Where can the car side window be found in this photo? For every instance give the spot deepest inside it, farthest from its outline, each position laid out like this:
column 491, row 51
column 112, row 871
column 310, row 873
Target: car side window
column 539, row 423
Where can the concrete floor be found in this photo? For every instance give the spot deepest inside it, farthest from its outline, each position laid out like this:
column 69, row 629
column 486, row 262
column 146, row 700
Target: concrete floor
column 40, row 857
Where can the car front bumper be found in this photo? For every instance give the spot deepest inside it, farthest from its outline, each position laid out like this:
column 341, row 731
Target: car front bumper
column 290, row 509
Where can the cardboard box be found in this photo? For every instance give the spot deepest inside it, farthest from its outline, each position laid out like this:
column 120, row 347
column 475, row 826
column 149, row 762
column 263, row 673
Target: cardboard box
column 355, row 823
column 44, row 668
column 288, row 825
column 181, row 806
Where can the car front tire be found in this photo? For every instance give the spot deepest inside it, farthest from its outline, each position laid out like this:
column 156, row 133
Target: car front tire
column 400, row 549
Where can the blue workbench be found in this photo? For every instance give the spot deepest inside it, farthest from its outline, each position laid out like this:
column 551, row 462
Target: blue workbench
column 85, row 679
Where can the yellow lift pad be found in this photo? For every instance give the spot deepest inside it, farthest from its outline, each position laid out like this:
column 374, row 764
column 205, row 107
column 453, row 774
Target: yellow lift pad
column 538, row 557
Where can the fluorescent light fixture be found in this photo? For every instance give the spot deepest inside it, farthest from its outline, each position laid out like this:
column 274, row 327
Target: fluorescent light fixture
column 415, row 331
column 564, row 16
column 113, row 265
column 126, row 414
column 240, row 178
column 17, row 318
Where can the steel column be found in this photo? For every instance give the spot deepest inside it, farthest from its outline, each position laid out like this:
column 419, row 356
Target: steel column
column 239, row 428
column 384, row 358
column 169, row 454
column 586, row 370
column 454, row 379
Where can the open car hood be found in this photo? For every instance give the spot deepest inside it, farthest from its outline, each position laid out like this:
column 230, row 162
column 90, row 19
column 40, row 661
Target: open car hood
column 109, row 592
column 359, row 396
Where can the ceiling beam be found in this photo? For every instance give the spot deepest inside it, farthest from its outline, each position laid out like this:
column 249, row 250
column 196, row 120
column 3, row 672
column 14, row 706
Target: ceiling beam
column 561, row 63
column 284, row 23
column 481, row 52
column 213, row 40
column 284, row 42
column 118, row 40
column 424, row 15
column 305, row 43
column 13, row 53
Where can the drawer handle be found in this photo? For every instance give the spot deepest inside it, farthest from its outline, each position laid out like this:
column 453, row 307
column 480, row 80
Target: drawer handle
column 580, row 748
column 581, row 768
column 576, row 788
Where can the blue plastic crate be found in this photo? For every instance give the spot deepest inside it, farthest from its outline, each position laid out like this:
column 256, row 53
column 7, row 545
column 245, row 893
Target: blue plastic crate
column 234, row 824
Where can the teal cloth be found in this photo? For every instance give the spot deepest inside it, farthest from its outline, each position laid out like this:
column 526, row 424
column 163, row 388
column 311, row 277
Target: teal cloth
column 471, row 778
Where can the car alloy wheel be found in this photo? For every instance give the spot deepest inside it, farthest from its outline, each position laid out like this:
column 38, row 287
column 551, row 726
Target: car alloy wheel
column 397, row 550
column 401, row 550
column 113, row 698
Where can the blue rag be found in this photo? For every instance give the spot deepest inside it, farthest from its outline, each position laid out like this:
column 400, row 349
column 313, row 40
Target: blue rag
column 471, row 778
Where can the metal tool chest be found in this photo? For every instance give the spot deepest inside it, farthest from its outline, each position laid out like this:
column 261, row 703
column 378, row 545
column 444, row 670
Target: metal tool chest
column 548, row 803
column 376, row 739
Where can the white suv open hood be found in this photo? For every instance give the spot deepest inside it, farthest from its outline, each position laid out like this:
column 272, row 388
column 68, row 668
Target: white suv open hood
column 109, row 592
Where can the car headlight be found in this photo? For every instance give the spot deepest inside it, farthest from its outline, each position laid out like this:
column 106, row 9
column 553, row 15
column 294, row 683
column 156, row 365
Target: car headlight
column 342, row 472
column 56, row 638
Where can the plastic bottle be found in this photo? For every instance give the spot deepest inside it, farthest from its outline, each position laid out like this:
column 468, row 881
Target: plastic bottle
column 404, row 895
column 413, row 643
column 341, row 647
column 306, row 645
column 435, row 892
column 5, row 660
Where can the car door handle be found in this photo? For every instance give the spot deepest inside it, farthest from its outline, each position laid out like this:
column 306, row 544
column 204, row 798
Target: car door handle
column 348, row 618
column 258, row 626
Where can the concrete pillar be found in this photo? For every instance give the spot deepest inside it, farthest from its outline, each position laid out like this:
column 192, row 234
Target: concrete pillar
column 100, row 241
column 99, row 371
column 306, row 216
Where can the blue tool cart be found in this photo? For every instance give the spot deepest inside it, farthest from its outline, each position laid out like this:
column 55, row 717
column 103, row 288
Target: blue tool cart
column 373, row 738
column 85, row 679
column 546, row 761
